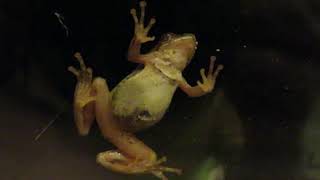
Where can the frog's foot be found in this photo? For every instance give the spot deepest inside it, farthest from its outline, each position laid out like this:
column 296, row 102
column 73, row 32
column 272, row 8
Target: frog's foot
column 141, row 32
column 209, row 80
column 83, row 93
column 84, row 97
column 117, row 162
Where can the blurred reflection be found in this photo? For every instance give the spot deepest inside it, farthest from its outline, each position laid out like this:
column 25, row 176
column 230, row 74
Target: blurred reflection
column 213, row 137
column 311, row 142
column 209, row 169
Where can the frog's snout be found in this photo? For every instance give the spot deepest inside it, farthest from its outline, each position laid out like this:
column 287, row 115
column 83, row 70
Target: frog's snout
column 190, row 35
column 193, row 37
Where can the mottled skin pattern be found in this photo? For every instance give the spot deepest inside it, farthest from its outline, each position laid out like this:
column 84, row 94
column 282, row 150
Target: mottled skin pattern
column 138, row 101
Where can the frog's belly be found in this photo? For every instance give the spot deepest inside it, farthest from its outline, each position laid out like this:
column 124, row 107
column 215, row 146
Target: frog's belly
column 140, row 103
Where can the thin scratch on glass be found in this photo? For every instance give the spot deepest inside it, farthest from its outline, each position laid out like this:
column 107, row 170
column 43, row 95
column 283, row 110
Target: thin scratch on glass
column 47, row 126
column 61, row 19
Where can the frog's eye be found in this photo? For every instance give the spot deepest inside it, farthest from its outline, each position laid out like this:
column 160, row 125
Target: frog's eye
column 167, row 37
column 170, row 35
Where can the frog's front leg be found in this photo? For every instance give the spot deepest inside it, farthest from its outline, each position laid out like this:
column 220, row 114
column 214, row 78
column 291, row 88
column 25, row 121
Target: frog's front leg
column 140, row 35
column 208, row 81
column 132, row 156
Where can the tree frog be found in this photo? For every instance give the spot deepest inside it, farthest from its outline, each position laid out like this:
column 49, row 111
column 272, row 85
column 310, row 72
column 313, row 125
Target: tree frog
column 140, row 100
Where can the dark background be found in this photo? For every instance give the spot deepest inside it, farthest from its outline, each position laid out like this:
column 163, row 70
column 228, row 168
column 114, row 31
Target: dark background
column 260, row 123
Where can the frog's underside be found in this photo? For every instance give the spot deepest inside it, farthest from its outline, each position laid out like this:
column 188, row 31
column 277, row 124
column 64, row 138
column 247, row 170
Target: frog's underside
column 141, row 99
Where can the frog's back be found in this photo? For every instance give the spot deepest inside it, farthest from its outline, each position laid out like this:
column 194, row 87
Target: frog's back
column 142, row 98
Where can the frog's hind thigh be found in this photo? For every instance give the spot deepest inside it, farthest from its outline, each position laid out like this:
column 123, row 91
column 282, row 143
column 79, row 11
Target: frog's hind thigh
column 133, row 156
column 126, row 142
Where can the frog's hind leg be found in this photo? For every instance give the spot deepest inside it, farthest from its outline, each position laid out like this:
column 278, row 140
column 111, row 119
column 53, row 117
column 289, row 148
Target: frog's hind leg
column 83, row 105
column 133, row 156
column 117, row 162
column 92, row 100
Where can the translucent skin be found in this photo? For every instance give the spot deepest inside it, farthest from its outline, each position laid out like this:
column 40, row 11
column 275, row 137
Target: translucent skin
column 140, row 100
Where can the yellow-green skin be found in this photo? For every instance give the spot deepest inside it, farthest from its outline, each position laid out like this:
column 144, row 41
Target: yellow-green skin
column 142, row 98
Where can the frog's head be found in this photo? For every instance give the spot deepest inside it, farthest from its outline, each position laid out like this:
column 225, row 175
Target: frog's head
column 178, row 48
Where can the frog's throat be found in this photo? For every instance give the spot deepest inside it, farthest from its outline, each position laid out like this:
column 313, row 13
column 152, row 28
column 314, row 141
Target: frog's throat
column 169, row 71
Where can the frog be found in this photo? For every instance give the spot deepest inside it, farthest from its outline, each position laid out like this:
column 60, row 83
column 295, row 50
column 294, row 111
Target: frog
column 140, row 100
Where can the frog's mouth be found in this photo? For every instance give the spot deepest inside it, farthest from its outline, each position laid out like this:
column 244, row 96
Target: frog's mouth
column 171, row 37
column 187, row 36
column 175, row 37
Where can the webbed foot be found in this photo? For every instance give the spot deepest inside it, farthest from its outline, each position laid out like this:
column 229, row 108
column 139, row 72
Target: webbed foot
column 83, row 91
column 141, row 32
column 209, row 80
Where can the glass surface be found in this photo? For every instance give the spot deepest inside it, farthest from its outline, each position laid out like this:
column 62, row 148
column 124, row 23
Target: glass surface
column 261, row 122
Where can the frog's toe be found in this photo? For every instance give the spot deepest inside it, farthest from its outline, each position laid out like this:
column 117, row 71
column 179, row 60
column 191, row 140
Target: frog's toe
column 211, row 73
column 84, row 73
column 141, row 32
column 143, row 4
column 146, row 39
column 159, row 171
column 133, row 12
column 79, row 58
column 149, row 26
column 74, row 71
